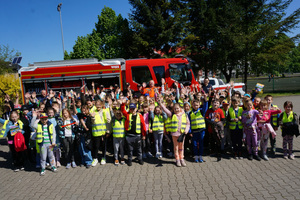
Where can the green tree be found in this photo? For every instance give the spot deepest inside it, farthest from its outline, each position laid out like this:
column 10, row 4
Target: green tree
column 157, row 25
column 294, row 61
column 6, row 57
column 111, row 38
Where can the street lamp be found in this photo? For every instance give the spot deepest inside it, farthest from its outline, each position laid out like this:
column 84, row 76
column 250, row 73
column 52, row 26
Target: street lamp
column 62, row 34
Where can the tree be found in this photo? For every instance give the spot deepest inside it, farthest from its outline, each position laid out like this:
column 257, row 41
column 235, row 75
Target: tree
column 294, row 61
column 6, row 57
column 157, row 25
column 111, row 38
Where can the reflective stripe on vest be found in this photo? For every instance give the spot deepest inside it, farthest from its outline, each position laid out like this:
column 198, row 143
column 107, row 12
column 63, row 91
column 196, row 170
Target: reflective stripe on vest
column 197, row 121
column 3, row 128
column 99, row 126
column 180, row 102
column 286, row 119
column 231, row 112
column 274, row 118
column 119, row 128
column 158, row 123
column 138, row 123
column 167, row 124
column 40, row 135
column 174, row 123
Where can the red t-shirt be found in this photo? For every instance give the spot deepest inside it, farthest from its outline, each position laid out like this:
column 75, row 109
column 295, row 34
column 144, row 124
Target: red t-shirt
column 214, row 115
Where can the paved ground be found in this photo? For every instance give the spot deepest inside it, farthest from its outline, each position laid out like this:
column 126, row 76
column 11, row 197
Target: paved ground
column 227, row 179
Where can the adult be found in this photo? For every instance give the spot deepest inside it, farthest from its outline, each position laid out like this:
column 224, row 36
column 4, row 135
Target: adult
column 206, row 86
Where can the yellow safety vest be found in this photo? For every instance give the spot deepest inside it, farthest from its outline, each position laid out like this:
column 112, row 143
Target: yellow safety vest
column 158, row 123
column 174, row 123
column 274, row 118
column 286, row 119
column 180, row 102
column 99, row 126
column 93, row 109
column 5, row 124
column 40, row 135
column 138, row 123
column 232, row 125
column 119, row 128
column 197, row 121
column 167, row 124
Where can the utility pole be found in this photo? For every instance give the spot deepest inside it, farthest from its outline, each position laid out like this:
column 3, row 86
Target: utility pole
column 61, row 27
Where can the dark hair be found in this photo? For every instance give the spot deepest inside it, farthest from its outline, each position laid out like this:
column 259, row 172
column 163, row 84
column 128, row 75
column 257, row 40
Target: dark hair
column 267, row 96
column 288, row 103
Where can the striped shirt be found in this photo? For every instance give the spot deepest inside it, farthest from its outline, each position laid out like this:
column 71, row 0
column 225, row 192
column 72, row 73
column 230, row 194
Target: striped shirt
column 46, row 135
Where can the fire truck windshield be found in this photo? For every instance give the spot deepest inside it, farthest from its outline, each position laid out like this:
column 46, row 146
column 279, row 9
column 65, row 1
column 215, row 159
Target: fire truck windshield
column 179, row 72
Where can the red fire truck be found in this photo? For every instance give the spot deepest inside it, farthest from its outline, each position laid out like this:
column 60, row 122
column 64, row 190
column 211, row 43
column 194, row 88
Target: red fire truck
column 73, row 74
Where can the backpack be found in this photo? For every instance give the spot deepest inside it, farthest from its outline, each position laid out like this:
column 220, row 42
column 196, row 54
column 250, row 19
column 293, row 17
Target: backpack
column 19, row 142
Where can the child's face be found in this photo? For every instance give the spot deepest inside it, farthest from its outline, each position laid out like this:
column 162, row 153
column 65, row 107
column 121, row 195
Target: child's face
column 257, row 101
column 89, row 104
column 269, row 100
column 25, row 112
column 146, row 109
column 55, row 107
column 216, row 105
column 42, row 107
column 14, row 117
column 98, row 106
column 157, row 111
column 85, row 111
column 196, row 105
column 176, row 109
column 44, row 121
column 264, row 107
column 66, row 114
column 78, row 104
column 50, row 113
column 288, row 109
column 186, row 107
column 118, row 114
column 235, row 104
column 249, row 105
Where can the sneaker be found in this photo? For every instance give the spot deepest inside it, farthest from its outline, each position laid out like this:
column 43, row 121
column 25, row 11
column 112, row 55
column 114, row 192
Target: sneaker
column 201, row 159
column 149, row 155
column 16, row 170
column 58, row 164
column 157, row 155
column 183, row 164
column 68, row 166
column 285, row 157
column 160, row 155
column 144, row 155
column 22, row 168
column 74, row 164
column 196, row 159
column 292, row 157
column 178, row 163
column 256, row 157
column 95, row 162
column 122, row 161
column 103, row 161
column 47, row 165
column 129, row 163
column 53, row 169
column 141, row 162
column 116, row 162
column 42, row 172
column 250, row 157
column 265, row 157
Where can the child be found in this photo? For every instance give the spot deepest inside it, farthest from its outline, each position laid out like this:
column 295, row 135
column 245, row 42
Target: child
column 85, row 136
column 226, row 139
column 9, row 129
column 146, row 143
column 157, row 128
column 273, row 122
column 67, row 134
column 236, row 127
column 56, row 149
column 256, row 102
column 45, row 138
column 289, row 124
column 197, row 128
column 215, row 119
column 250, row 129
column 264, row 126
column 118, row 130
column 180, row 124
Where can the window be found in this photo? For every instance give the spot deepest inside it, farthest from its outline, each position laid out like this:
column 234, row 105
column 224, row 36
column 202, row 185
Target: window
column 212, row 82
column 178, row 72
column 141, row 74
column 221, row 82
column 159, row 72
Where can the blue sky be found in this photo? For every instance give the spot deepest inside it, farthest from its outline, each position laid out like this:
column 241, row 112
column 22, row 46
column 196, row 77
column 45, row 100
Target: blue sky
column 32, row 27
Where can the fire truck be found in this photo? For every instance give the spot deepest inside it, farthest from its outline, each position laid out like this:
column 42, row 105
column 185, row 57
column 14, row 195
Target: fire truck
column 73, row 74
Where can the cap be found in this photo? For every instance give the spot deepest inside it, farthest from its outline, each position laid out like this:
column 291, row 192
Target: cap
column 43, row 115
column 225, row 102
column 146, row 94
column 132, row 105
column 17, row 107
column 25, row 107
column 187, row 103
column 247, row 95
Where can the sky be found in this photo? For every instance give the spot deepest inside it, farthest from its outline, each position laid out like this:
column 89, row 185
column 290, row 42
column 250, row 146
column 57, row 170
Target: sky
column 32, row 27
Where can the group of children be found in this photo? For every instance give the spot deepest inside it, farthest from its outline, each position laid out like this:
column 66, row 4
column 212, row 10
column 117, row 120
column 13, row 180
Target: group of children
column 129, row 122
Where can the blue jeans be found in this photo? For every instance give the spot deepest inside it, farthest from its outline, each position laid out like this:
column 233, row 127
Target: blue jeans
column 197, row 142
column 86, row 156
column 158, row 137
